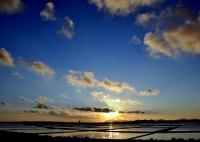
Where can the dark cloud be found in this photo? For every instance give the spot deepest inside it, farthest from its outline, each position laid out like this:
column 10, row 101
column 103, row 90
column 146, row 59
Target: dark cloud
column 5, row 103
column 136, row 111
column 43, row 106
column 93, row 109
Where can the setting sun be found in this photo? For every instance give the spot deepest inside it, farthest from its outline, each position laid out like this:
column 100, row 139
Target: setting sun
column 111, row 114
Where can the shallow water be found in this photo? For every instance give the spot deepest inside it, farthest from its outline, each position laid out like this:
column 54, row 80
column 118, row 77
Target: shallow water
column 142, row 131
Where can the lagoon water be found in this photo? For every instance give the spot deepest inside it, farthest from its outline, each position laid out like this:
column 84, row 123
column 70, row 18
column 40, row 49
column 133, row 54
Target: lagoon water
column 143, row 131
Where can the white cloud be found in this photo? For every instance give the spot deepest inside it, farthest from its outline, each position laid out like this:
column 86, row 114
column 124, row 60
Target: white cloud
column 78, row 79
column 18, row 74
column 149, row 92
column 5, row 103
column 135, row 40
column 115, row 86
column 48, row 12
column 95, row 94
column 11, row 6
column 122, row 7
column 67, row 28
column 64, row 96
column 24, row 99
column 6, row 58
column 38, row 67
column 143, row 19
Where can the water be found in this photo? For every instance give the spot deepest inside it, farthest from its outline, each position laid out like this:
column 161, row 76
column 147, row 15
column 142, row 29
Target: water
column 142, row 131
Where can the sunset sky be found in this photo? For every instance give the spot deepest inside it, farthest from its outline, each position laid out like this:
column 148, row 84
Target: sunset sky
column 99, row 60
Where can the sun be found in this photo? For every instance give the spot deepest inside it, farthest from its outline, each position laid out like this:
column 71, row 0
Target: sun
column 111, row 114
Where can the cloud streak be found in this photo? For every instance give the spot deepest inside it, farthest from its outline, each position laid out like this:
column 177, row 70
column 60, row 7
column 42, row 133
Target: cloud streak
column 48, row 12
column 94, row 109
column 24, row 99
column 6, row 58
column 11, row 6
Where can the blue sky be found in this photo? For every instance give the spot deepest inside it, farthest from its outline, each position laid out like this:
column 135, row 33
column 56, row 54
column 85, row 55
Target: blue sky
column 99, row 60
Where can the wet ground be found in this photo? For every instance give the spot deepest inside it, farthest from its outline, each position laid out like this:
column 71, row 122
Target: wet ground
column 142, row 131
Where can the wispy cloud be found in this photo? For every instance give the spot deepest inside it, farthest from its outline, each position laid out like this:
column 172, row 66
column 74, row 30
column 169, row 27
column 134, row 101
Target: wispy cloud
column 48, row 12
column 149, row 92
column 64, row 96
column 67, row 28
column 18, row 75
column 122, row 7
column 6, row 58
column 11, row 6
column 24, row 99
column 95, row 94
column 5, row 103
column 135, row 40
column 38, row 67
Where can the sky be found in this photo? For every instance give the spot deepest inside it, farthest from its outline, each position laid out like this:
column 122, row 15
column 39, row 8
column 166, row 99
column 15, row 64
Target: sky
column 99, row 60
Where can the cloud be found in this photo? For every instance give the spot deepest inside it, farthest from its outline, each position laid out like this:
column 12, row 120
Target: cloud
column 179, row 33
column 135, row 40
column 115, row 86
column 94, row 109
column 11, row 6
column 87, row 79
column 5, row 103
column 48, row 12
column 143, row 19
column 136, row 111
column 131, row 101
column 67, row 28
column 122, row 7
column 78, row 79
column 38, row 67
column 18, row 74
column 24, row 99
column 149, row 92
column 64, row 96
column 43, row 106
column 5, row 58
column 174, row 41
column 60, row 114
column 31, row 111
column 43, row 99
column 95, row 94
